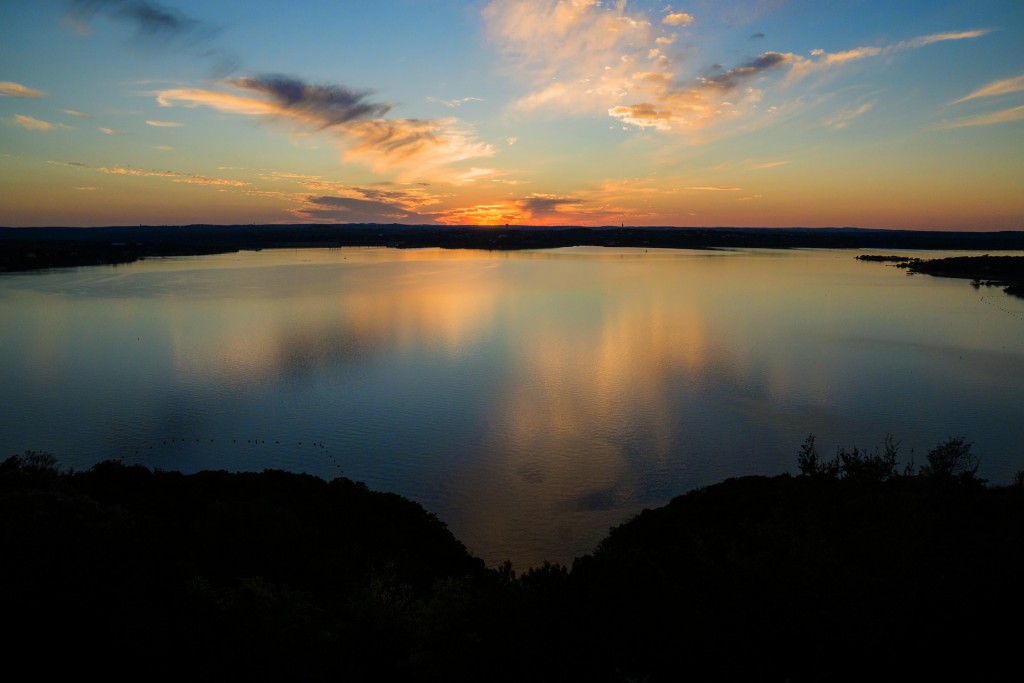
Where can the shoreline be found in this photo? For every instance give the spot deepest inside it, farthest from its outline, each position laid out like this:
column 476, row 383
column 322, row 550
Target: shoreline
column 25, row 249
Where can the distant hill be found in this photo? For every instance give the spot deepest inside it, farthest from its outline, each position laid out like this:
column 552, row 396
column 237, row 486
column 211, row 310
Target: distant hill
column 35, row 248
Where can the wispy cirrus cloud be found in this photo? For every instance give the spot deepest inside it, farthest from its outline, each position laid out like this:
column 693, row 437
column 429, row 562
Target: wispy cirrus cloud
column 174, row 176
column 822, row 61
column 713, row 188
column 164, row 124
column 452, row 104
column 990, row 119
column 77, row 114
column 413, row 146
column 12, row 89
column 842, row 118
column 31, row 122
column 1003, row 87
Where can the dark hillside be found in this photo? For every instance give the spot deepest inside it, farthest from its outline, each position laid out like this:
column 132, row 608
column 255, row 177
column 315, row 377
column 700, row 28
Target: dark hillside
column 852, row 571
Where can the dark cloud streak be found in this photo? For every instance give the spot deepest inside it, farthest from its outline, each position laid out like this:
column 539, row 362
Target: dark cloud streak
column 727, row 80
column 155, row 22
column 324, row 105
column 350, row 210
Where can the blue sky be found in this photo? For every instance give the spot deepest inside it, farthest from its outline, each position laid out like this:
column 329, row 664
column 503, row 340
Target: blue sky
column 758, row 112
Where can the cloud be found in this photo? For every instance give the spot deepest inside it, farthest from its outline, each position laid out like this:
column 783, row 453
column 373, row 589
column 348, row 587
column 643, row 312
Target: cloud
column 734, row 95
column 174, row 176
column 165, row 148
column 31, row 123
column 164, row 124
column 823, row 61
column 914, row 43
column 353, row 204
column 319, row 105
column 713, row 188
column 417, row 147
column 842, row 118
column 766, row 61
column 350, row 210
column 153, row 23
column 577, row 56
column 1004, row 87
column 410, row 198
column 758, row 166
column 545, row 203
column 1004, row 116
column 414, row 146
column 148, row 19
column 455, row 103
column 85, row 189
column 72, row 112
column 644, row 115
column 677, row 19
column 474, row 174
column 756, row 36
column 12, row 89
column 112, row 131
column 501, row 213
column 583, row 56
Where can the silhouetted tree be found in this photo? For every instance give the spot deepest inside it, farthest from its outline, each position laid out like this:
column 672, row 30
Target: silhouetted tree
column 951, row 460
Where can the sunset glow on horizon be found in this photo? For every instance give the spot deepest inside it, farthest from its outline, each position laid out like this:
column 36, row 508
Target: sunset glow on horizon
column 768, row 113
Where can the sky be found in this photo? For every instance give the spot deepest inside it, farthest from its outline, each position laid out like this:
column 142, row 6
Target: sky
column 773, row 113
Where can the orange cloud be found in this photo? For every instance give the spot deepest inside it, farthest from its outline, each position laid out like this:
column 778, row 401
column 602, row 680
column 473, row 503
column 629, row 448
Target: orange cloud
column 12, row 89
column 580, row 55
column 484, row 214
column 31, row 123
column 1004, row 116
column 174, row 176
column 677, row 19
column 1004, row 87
column 414, row 147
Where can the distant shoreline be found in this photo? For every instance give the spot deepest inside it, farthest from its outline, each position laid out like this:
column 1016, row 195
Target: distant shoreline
column 24, row 249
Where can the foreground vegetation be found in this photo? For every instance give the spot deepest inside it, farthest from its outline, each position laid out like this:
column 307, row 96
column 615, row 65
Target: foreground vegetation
column 860, row 567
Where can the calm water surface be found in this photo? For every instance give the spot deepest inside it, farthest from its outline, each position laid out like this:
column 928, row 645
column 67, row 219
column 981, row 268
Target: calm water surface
column 531, row 400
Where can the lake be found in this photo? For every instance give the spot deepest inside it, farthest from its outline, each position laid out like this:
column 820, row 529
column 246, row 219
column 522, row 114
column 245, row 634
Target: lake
column 530, row 399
